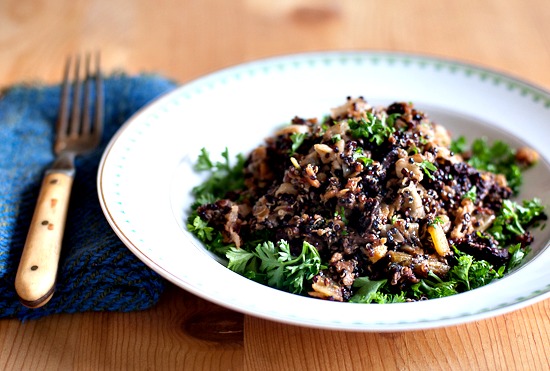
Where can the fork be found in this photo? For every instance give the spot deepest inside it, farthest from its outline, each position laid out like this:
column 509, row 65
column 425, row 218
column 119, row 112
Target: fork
column 76, row 134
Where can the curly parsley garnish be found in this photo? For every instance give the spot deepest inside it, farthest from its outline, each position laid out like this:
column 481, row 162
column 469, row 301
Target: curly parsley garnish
column 498, row 158
column 513, row 218
column 223, row 176
column 277, row 264
column 373, row 128
column 373, row 292
column 212, row 239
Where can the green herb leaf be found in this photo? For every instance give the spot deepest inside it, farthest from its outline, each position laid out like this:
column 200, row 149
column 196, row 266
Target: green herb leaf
column 498, row 158
column 435, row 287
column 203, row 161
column 201, row 229
column 373, row 128
column 459, row 145
column 239, row 259
column 471, row 194
column 212, row 239
column 516, row 256
column 341, row 213
column 270, row 264
column 367, row 290
column 297, row 140
column 223, row 176
column 473, row 273
column 436, row 220
column 514, row 218
column 285, row 271
column 462, row 269
column 359, row 155
column 428, row 168
column 374, row 292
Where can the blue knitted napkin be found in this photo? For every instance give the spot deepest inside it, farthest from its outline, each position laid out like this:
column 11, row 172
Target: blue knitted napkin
column 96, row 272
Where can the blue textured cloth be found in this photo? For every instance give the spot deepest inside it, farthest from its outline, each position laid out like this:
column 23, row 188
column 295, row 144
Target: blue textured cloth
column 96, row 272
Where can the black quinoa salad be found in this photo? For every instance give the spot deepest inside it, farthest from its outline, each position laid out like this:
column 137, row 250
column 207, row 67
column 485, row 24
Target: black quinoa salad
column 368, row 205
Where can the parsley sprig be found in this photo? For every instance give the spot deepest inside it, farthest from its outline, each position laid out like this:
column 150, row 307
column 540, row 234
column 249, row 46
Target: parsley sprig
column 223, row 176
column 469, row 273
column 513, row 218
column 374, row 292
column 212, row 239
column 498, row 158
column 473, row 273
column 373, row 128
column 277, row 264
column 434, row 287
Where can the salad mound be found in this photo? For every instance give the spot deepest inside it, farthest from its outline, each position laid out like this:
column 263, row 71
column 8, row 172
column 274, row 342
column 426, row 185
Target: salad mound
column 368, row 205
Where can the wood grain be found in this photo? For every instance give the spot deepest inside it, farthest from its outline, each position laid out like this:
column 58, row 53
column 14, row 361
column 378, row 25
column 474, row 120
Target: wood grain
column 155, row 339
column 516, row 341
column 184, row 39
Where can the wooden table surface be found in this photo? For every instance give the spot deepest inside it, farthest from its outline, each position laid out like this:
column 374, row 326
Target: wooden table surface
column 186, row 39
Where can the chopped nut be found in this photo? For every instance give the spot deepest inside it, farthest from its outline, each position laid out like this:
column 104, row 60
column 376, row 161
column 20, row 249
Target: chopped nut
column 527, row 156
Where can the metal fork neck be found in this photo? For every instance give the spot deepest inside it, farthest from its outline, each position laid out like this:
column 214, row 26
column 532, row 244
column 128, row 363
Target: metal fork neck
column 63, row 164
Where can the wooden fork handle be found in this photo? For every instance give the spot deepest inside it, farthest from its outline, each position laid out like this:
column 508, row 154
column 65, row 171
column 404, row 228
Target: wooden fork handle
column 35, row 279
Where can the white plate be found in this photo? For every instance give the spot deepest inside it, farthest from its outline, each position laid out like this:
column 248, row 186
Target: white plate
column 146, row 175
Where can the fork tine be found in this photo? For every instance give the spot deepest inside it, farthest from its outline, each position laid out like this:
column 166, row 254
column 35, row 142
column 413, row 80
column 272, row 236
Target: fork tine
column 75, row 112
column 87, row 87
column 63, row 118
column 75, row 130
column 98, row 126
